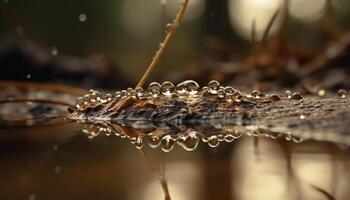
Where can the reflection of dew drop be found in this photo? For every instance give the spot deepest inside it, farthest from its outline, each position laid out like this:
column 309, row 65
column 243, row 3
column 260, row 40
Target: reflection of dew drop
column 167, row 88
column 189, row 142
column 154, row 141
column 188, row 87
column 297, row 139
column 288, row 137
column 139, row 142
column 289, row 94
column 167, row 143
column 229, row 138
column 220, row 137
column 213, row 141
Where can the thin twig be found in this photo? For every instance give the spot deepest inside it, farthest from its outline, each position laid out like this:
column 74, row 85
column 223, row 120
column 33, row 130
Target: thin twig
column 269, row 26
column 164, row 44
column 170, row 32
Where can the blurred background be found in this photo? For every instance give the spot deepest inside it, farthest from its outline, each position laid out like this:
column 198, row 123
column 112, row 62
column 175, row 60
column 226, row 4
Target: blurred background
column 124, row 34
column 108, row 45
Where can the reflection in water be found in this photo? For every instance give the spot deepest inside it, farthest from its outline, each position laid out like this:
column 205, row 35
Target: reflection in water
column 303, row 171
column 189, row 140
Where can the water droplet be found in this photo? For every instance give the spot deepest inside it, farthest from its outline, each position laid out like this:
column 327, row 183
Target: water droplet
column 289, row 94
column 139, row 92
column 321, row 93
column 168, row 27
column 188, row 87
column 154, row 89
column 221, row 93
column 302, row 117
column 154, row 141
column 161, row 45
column 275, row 97
column 189, row 142
column 167, row 143
column 82, row 17
column 255, row 93
column 229, row 90
column 296, row 96
column 342, row 93
column 32, row 197
column 213, row 86
column 29, row 76
column 124, row 94
column 54, row 51
column 167, row 88
column 213, row 141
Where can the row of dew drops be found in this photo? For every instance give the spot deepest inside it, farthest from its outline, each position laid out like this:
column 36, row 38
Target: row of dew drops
column 187, row 89
column 188, row 140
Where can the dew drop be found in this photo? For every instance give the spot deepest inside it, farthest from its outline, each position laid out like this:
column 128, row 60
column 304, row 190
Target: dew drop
column 221, row 93
column 213, row 141
column 296, row 96
column 229, row 90
column 302, row 117
column 275, row 97
column 167, row 88
column 154, row 89
column 189, row 142
column 28, row 76
column 342, row 93
column 289, row 94
column 168, row 27
column 188, row 87
column 213, row 86
column 167, row 143
column 255, row 93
